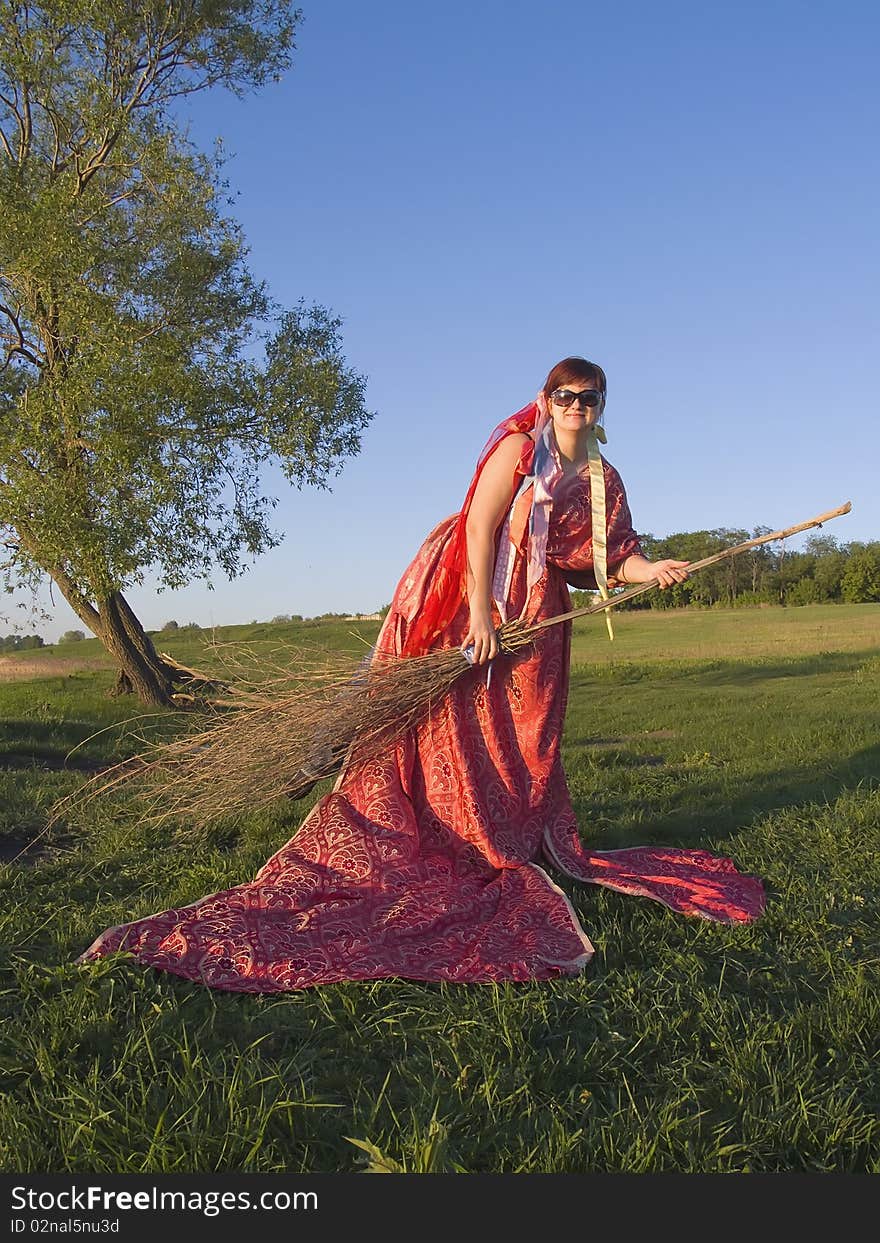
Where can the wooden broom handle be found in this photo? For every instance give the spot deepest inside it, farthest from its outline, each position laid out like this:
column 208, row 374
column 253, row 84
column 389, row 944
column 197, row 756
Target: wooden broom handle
column 639, row 588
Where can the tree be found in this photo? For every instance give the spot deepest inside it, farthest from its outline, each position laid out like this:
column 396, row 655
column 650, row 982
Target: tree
column 21, row 642
column 146, row 377
column 72, row 636
column 170, row 626
column 830, row 565
column 804, row 591
column 861, row 578
column 760, row 563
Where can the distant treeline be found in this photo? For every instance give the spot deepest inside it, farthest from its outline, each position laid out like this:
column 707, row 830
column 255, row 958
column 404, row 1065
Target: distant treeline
column 20, row 642
column 173, row 627
column 824, row 572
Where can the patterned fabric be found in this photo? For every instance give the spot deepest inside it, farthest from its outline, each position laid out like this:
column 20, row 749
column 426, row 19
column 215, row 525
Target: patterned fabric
column 424, row 862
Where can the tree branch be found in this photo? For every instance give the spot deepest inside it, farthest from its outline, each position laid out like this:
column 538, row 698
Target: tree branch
column 58, row 165
column 120, row 198
column 27, row 135
column 23, row 346
column 12, row 105
column 6, row 147
column 98, row 161
column 77, row 599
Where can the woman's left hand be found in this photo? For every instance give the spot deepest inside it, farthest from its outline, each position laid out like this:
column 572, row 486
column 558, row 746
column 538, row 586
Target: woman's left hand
column 669, row 572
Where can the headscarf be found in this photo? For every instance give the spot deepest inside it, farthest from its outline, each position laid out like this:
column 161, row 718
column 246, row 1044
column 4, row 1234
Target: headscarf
column 539, row 467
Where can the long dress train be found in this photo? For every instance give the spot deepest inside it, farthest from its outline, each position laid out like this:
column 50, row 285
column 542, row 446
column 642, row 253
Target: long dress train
column 424, row 862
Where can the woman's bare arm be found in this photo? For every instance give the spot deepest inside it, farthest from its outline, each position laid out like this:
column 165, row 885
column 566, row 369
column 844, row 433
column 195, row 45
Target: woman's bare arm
column 488, row 506
column 638, row 569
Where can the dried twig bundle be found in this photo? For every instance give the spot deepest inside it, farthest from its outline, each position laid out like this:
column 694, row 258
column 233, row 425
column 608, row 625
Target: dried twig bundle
column 276, row 736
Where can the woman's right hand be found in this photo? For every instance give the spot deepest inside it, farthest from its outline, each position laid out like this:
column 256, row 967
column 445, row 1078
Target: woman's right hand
column 481, row 633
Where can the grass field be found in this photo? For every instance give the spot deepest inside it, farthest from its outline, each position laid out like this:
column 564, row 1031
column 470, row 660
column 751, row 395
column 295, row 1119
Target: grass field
column 685, row 1045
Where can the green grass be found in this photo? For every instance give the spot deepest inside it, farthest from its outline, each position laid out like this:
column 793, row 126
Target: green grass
column 685, row 1046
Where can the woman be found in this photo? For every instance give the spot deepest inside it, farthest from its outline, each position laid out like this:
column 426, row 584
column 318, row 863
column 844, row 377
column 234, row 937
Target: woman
column 422, row 862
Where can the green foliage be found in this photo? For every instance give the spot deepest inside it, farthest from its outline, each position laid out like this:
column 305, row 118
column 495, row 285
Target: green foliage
column 804, row 591
column 72, row 636
column 860, row 583
column 769, row 574
column 150, row 378
column 20, row 642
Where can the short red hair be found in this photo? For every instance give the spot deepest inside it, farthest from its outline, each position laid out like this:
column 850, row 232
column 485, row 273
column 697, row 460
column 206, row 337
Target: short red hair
column 575, row 368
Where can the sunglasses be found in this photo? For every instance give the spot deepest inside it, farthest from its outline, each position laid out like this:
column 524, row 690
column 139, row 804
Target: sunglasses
column 565, row 397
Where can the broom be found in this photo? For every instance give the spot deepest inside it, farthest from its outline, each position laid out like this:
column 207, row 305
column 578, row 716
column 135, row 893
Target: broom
column 288, row 732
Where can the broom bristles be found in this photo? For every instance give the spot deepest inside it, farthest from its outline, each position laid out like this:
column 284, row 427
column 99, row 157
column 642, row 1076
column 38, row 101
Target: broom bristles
column 281, row 734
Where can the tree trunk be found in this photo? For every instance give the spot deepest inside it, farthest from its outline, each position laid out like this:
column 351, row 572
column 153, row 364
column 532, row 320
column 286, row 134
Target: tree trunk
column 110, row 618
column 125, row 639
column 143, row 642
column 141, row 669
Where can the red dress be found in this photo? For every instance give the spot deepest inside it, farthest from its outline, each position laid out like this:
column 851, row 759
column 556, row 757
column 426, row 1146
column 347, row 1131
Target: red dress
column 424, row 862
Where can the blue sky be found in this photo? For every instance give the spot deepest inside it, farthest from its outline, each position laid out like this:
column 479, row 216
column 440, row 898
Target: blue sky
column 685, row 192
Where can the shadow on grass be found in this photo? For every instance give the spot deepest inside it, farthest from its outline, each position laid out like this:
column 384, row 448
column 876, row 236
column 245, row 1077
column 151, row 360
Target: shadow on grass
column 28, row 743
column 750, row 673
column 25, row 851
column 614, row 753
column 722, row 671
column 53, row 759
column 721, row 809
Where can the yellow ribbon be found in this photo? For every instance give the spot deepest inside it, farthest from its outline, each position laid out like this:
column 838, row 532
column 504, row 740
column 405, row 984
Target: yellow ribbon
column 597, row 515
